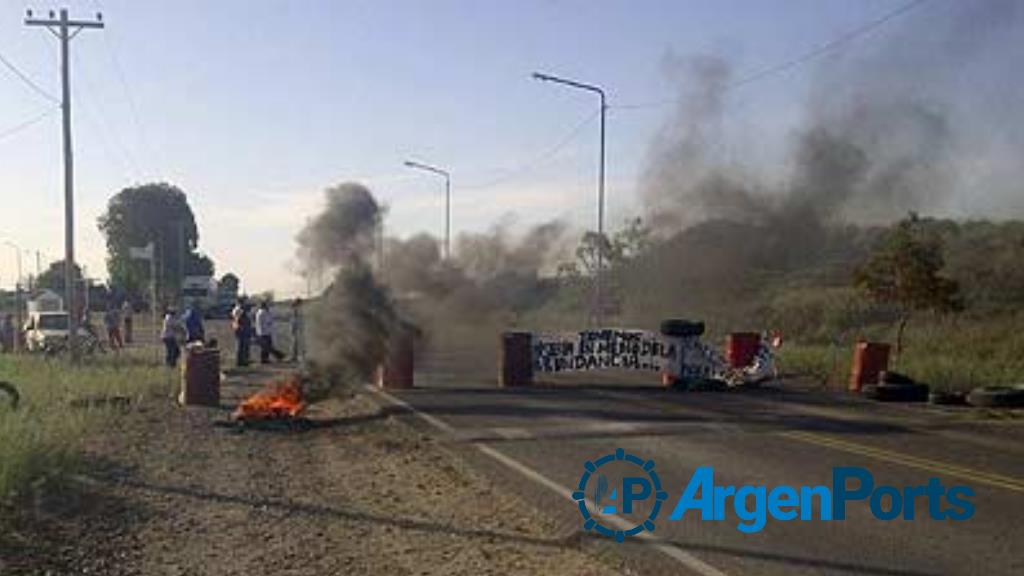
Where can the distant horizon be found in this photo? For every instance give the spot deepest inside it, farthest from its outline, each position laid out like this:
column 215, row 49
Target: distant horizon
column 253, row 122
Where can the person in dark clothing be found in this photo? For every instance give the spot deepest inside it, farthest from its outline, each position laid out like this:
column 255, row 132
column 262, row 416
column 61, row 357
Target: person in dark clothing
column 241, row 322
column 169, row 335
column 193, row 320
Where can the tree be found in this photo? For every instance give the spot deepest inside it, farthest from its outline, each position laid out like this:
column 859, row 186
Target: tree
column 229, row 283
column 53, row 277
column 629, row 243
column 157, row 213
column 904, row 270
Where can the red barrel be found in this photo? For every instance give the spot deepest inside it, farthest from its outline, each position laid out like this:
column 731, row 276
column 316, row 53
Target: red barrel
column 200, row 377
column 869, row 359
column 397, row 371
column 741, row 347
column 515, row 359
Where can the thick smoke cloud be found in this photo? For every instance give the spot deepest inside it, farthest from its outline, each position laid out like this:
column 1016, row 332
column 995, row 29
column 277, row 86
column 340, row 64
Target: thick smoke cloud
column 915, row 117
column 352, row 324
column 891, row 125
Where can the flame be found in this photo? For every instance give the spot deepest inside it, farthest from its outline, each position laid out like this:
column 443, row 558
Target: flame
column 277, row 400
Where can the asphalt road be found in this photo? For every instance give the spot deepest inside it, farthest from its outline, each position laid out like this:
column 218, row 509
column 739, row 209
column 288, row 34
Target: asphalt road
column 535, row 441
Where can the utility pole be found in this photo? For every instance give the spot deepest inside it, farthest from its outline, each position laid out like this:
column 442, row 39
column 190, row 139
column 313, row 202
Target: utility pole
column 65, row 29
column 18, row 305
column 447, row 202
column 599, row 315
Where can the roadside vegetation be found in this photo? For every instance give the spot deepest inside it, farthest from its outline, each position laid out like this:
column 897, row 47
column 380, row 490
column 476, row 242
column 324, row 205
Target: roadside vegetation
column 60, row 405
column 950, row 293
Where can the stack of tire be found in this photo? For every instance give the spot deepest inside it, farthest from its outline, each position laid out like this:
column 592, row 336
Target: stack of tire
column 680, row 328
column 997, row 396
column 896, row 387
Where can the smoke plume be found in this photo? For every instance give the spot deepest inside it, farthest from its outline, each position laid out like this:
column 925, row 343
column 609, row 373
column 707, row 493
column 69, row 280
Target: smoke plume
column 893, row 124
column 352, row 323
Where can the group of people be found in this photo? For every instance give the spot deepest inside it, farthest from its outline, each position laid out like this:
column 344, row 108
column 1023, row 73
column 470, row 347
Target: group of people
column 113, row 319
column 245, row 326
column 261, row 326
column 189, row 328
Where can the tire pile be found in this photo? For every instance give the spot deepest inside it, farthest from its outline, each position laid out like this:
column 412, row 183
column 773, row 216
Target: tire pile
column 896, row 387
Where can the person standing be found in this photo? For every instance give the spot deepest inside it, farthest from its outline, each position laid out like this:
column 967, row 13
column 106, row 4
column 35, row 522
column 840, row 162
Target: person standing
column 169, row 335
column 7, row 333
column 265, row 333
column 126, row 312
column 193, row 320
column 112, row 321
column 241, row 322
column 298, row 329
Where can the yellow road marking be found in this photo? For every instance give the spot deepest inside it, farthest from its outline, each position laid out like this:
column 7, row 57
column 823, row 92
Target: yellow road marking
column 978, row 476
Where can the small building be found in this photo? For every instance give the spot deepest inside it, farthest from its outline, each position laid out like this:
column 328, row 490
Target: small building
column 45, row 301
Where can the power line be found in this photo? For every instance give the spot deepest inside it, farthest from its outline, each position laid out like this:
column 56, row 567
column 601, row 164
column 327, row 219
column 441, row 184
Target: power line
column 28, row 81
column 825, row 48
column 27, row 123
column 110, row 43
column 96, row 117
column 539, row 160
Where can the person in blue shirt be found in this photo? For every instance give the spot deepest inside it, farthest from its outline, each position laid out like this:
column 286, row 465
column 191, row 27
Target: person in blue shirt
column 193, row 321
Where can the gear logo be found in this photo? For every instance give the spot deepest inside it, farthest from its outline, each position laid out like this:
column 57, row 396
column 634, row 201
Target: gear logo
column 617, row 506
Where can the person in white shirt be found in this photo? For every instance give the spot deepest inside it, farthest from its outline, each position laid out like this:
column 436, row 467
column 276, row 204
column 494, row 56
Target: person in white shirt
column 169, row 334
column 265, row 334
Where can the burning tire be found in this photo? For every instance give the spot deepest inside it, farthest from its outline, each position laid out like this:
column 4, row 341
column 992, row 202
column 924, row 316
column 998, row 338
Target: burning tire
column 997, row 397
column 12, row 394
column 682, row 328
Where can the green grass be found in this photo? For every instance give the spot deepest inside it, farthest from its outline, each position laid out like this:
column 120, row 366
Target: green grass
column 949, row 354
column 42, row 439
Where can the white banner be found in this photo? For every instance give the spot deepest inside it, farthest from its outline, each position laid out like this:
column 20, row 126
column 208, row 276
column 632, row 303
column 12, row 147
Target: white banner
column 608, row 348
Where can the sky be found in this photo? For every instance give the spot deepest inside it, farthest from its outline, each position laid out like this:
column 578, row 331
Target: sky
column 253, row 108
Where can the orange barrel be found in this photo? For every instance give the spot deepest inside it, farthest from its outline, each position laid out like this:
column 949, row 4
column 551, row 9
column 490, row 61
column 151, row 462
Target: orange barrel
column 200, row 377
column 741, row 347
column 869, row 359
column 397, row 371
column 515, row 359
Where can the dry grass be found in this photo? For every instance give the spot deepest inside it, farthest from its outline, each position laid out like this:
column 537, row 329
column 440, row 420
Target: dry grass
column 61, row 403
column 949, row 354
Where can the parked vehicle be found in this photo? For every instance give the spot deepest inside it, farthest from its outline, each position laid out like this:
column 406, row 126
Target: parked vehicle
column 48, row 332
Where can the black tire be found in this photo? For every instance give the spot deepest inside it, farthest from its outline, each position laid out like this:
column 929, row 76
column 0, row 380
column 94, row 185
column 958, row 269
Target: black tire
column 896, row 392
column 997, row 397
column 682, row 328
column 947, row 398
column 12, row 394
column 699, row 385
column 886, row 377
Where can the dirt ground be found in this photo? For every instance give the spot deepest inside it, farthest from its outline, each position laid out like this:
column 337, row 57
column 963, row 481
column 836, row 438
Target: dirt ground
column 182, row 492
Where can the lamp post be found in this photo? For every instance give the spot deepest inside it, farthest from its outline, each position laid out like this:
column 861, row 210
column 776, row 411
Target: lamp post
column 447, row 202
column 18, row 318
column 599, row 304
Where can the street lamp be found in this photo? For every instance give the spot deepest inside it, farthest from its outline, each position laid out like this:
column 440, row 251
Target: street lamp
column 447, row 201
column 600, row 181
